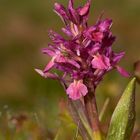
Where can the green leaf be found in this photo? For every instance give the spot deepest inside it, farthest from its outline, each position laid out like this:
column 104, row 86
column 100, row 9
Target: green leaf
column 123, row 118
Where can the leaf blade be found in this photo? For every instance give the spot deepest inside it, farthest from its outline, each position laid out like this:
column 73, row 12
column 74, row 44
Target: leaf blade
column 123, row 118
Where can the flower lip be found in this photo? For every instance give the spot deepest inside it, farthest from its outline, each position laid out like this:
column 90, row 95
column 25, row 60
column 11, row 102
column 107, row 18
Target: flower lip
column 76, row 90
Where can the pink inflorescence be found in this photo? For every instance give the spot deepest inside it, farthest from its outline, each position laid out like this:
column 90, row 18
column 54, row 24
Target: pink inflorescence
column 85, row 56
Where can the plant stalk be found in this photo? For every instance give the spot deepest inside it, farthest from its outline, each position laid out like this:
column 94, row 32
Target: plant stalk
column 92, row 113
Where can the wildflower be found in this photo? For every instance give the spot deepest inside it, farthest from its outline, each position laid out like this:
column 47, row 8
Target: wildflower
column 86, row 56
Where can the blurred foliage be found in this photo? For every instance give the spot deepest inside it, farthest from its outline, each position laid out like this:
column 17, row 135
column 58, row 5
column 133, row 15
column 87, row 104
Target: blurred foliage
column 23, row 32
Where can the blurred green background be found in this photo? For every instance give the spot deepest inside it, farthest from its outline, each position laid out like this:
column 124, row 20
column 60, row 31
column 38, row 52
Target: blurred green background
column 24, row 26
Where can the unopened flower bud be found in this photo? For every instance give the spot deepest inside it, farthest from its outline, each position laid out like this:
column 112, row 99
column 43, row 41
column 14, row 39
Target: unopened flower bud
column 137, row 70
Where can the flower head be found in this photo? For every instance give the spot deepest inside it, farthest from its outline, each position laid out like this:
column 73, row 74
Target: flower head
column 86, row 56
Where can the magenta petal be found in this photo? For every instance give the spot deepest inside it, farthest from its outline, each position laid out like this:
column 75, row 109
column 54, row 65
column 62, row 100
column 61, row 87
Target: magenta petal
column 95, row 48
column 48, row 51
column 47, row 74
column 61, row 11
column 100, row 62
column 74, row 63
column 122, row 71
column 55, row 37
column 70, row 5
column 97, row 36
column 62, row 59
column 105, row 25
column 76, row 90
column 40, row 72
column 84, row 10
column 74, row 16
column 49, row 65
column 117, row 57
column 67, row 31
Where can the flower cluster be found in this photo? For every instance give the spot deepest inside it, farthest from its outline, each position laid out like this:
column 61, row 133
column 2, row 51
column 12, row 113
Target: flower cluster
column 85, row 56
